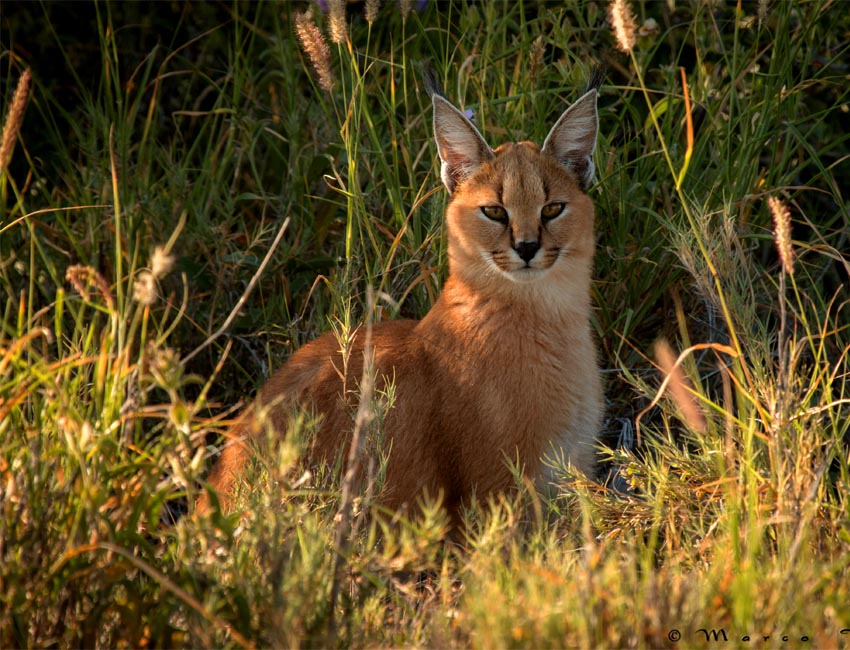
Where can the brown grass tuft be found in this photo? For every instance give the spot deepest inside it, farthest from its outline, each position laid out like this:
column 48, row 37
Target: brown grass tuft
column 80, row 276
column 782, row 233
column 316, row 47
column 14, row 118
column 535, row 56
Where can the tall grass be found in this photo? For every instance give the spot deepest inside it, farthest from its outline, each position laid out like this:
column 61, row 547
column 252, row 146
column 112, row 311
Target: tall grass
column 145, row 198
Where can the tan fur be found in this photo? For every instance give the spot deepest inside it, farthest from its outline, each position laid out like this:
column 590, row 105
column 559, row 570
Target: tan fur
column 503, row 367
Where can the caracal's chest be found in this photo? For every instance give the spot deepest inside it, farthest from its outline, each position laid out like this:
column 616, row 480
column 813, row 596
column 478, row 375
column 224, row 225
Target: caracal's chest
column 518, row 372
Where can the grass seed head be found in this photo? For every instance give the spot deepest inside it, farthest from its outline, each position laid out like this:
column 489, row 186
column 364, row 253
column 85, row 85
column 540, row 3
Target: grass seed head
column 337, row 21
column 782, row 233
column 161, row 262
column 623, row 24
column 144, row 289
column 371, row 11
column 535, row 56
column 79, row 275
column 15, row 116
column 316, row 47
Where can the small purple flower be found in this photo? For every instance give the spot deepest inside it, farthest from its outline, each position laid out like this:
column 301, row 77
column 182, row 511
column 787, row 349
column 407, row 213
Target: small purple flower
column 323, row 5
column 470, row 115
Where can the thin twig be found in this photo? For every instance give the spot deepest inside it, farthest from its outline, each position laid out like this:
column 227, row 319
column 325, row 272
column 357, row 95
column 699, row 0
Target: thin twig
column 242, row 299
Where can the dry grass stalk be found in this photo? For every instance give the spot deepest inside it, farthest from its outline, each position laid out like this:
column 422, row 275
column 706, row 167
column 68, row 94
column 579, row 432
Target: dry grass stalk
column 679, row 387
column 14, row 118
column 782, row 233
column 243, row 298
column 316, row 47
column 623, row 24
column 763, row 9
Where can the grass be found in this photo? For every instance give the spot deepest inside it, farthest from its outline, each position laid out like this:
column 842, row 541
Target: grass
column 200, row 129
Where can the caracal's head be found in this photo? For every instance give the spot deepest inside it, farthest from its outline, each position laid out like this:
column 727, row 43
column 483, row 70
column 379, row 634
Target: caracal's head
column 519, row 214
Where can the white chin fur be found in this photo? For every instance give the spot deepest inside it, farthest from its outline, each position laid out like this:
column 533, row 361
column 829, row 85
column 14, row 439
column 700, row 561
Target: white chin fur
column 525, row 274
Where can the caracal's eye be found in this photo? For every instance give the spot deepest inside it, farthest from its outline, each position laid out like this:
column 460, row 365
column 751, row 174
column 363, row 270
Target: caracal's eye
column 495, row 212
column 551, row 211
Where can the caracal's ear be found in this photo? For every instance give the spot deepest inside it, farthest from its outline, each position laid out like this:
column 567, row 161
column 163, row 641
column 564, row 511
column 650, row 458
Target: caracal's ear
column 573, row 138
column 461, row 147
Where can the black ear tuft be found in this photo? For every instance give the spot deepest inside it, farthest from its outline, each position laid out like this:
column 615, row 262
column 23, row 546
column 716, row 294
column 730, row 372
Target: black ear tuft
column 430, row 81
column 597, row 77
